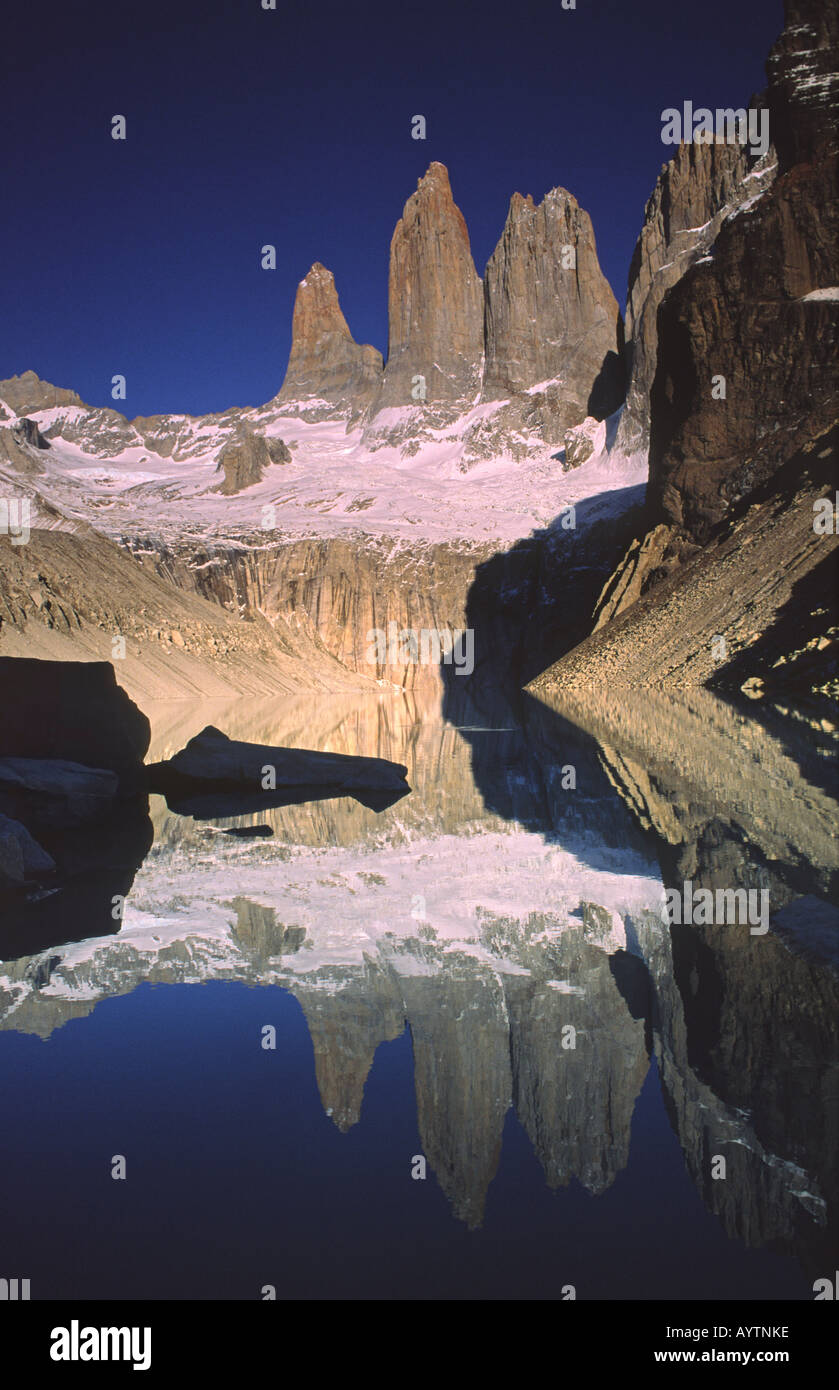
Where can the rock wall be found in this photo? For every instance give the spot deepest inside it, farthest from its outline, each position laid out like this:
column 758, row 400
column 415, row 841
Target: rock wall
column 70, row 596
column 762, row 313
column 755, row 608
column 694, row 194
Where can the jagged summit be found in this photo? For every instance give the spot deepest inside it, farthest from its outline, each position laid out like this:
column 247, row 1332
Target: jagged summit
column 549, row 311
column 28, row 392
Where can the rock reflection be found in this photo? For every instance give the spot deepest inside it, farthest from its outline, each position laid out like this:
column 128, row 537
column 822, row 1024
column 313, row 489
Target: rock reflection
column 514, row 926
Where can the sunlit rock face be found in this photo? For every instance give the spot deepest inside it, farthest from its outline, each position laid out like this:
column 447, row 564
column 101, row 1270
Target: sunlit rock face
column 435, row 305
column 551, row 323
column 733, row 317
column 27, row 392
column 326, row 363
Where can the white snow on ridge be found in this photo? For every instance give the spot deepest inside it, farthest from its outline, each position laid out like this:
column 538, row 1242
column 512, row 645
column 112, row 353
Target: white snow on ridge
column 334, row 485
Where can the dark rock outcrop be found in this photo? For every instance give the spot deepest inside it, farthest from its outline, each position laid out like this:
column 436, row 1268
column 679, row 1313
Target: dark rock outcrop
column 22, row 859
column 72, row 710
column 804, row 83
column 17, row 451
column 27, row 432
column 244, row 460
column 326, row 362
column 695, row 192
column 763, row 312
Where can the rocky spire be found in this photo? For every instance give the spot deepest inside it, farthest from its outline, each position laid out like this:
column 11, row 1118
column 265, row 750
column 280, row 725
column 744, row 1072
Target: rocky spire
column 325, row 360
column 549, row 310
column 435, row 305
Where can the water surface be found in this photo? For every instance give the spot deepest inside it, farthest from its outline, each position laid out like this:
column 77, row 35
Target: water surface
column 480, row 977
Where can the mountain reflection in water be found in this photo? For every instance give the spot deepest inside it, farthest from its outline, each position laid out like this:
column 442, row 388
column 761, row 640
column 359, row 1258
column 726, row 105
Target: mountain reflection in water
column 510, row 917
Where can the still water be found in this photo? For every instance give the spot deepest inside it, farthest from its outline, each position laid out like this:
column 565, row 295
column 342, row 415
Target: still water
column 287, row 1030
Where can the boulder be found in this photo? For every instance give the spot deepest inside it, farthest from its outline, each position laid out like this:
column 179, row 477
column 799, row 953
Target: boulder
column 71, row 710
column 216, row 776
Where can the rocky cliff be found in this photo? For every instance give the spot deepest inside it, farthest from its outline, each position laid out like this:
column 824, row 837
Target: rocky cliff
column 539, row 343
column 742, row 450
column 326, row 363
column 550, row 317
column 77, row 596
column 701, row 186
column 755, row 609
column 27, row 393
column 761, row 313
column 435, row 309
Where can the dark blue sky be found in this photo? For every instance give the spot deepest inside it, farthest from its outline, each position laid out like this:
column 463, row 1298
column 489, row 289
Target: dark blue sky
column 294, row 127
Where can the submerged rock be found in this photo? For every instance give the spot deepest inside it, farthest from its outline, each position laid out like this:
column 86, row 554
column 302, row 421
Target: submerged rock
column 22, row 859
column 54, row 793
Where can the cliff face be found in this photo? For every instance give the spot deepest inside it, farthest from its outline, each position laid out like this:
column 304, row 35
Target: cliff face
column 336, row 594
column 756, row 607
column 541, row 339
column 695, row 192
column 762, row 312
column 68, row 596
column 732, row 583
column 326, row 362
column 435, row 310
column 549, row 308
